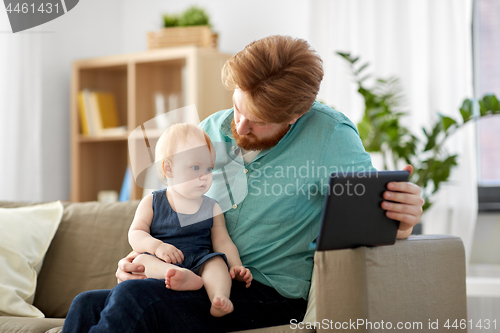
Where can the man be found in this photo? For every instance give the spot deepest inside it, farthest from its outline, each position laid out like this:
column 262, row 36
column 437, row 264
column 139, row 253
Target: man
column 290, row 144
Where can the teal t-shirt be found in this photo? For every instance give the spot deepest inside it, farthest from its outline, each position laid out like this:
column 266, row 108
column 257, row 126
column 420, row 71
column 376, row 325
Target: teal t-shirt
column 280, row 216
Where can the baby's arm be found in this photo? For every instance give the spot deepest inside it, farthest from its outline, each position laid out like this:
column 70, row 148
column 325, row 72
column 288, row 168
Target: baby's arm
column 141, row 240
column 221, row 242
column 138, row 235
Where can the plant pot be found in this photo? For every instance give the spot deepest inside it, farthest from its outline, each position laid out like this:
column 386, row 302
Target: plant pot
column 201, row 36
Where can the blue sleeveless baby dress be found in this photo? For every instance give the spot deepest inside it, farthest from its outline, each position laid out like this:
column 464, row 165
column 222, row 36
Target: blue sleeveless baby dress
column 192, row 239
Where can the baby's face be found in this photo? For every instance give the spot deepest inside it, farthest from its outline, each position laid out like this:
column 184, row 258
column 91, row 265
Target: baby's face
column 192, row 170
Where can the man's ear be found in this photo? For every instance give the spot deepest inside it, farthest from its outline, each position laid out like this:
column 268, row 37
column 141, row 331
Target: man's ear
column 293, row 121
column 166, row 166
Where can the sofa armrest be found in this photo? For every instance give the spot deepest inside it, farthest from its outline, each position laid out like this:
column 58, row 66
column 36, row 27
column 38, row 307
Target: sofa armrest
column 418, row 279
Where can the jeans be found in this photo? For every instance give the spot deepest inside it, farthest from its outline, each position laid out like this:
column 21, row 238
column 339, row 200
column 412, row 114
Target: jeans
column 148, row 306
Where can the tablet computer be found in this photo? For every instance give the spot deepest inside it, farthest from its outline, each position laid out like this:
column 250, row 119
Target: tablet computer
column 353, row 215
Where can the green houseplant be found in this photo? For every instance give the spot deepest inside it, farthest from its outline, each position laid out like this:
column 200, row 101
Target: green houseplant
column 381, row 130
column 193, row 16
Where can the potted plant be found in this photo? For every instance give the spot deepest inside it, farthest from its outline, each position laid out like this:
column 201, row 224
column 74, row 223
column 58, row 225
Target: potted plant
column 381, row 131
column 191, row 27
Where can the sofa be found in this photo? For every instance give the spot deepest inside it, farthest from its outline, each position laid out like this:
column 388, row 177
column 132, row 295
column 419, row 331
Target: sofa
column 417, row 281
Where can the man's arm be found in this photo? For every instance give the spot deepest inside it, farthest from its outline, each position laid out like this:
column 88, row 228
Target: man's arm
column 351, row 155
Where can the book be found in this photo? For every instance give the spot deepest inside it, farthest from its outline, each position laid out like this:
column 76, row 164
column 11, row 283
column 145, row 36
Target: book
column 82, row 113
column 160, row 119
column 106, row 106
column 88, row 125
column 99, row 114
column 94, row 112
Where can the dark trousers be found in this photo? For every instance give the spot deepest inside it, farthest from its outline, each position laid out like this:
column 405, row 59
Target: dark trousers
column 147, row 306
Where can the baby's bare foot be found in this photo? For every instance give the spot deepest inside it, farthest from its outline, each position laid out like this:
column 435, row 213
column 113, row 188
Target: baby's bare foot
column 221, row 306
column 182, row 279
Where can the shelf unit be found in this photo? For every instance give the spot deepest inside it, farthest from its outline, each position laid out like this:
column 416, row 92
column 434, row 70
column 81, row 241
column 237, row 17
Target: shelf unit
column 99, row 163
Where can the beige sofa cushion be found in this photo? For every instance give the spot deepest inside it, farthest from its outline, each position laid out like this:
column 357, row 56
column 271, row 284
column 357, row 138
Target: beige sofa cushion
column 30, row 325
column 84, row 253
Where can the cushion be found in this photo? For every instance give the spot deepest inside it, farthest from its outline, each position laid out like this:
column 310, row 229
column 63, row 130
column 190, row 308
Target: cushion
column 26, row 235
column 84, row 253
column 30, row 325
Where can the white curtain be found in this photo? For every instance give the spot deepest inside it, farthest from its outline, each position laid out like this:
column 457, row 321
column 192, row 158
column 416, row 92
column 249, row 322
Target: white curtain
column 427, row 44
column 20, row 114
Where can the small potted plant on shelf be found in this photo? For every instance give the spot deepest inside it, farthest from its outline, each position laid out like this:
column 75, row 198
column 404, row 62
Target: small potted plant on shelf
column 191, row 27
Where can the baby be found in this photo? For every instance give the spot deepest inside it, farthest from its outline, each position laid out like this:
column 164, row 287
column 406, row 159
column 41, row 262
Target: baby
column 181, row 233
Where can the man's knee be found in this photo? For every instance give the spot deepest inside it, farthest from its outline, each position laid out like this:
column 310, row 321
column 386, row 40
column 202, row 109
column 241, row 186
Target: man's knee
column 142, row 291
column 136, row 288
column 89, row 299
column 152, row 299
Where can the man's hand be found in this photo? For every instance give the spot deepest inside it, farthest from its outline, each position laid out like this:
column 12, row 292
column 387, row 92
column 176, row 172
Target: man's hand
column 407, row 207
column 242, row 274
column 169, row 253
column 127, row 270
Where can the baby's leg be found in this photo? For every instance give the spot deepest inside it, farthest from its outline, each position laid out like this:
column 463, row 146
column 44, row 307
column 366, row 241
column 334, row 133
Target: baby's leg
column 176, row 278
column 153, row 267
column 217, row 282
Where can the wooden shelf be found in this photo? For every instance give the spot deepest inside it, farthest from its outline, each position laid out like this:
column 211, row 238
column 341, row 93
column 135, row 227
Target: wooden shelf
column 84, row 138
column 193, row 74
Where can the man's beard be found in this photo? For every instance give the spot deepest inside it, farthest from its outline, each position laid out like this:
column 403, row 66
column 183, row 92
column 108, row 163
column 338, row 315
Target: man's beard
column 250, row 141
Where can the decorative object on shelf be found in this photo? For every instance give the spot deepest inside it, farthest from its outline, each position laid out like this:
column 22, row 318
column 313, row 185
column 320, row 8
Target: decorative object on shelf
column 381, row 131
column 128, row 182
column 192, row 27
column 171, row 103
column 98, row 114
column 107, row 196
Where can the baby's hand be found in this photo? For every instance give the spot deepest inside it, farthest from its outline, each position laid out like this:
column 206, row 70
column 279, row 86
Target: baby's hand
column 242, row 274
column 169, row 253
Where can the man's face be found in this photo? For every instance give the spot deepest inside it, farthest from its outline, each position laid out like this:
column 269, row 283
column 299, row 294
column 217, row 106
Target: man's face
column 251, row 133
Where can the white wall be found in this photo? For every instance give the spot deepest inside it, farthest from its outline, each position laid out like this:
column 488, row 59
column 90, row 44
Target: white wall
column 90, row 29
column 237, row 22
column 486, row 245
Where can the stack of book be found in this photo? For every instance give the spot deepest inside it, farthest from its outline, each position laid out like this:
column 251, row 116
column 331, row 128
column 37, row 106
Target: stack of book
column 98, row 114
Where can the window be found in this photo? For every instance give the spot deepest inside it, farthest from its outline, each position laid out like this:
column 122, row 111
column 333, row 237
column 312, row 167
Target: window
column 486, row 40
